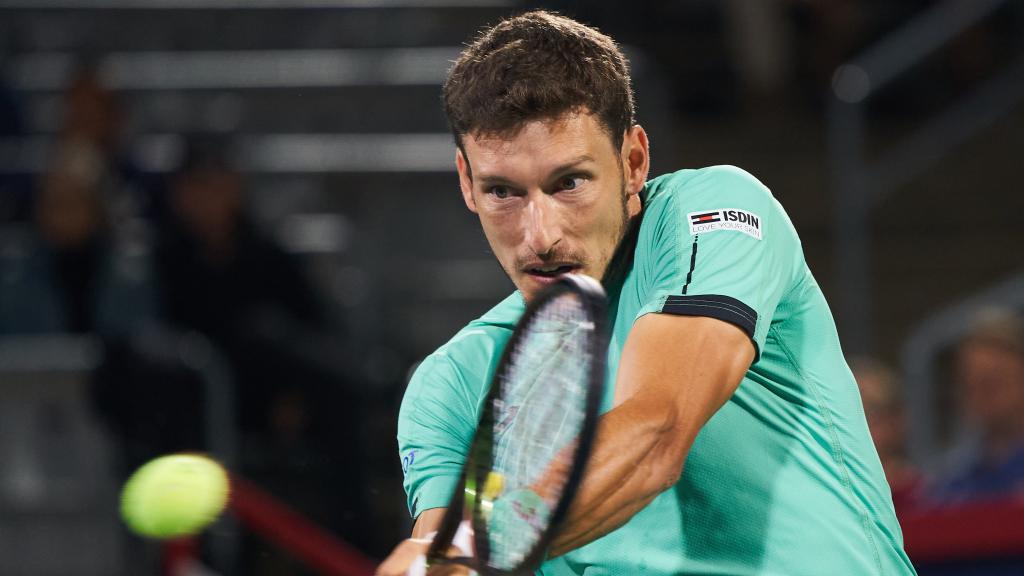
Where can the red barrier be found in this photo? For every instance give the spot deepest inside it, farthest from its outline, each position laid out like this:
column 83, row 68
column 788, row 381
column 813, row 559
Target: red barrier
column 983, row 529
column 274, row 521
column 177, row 555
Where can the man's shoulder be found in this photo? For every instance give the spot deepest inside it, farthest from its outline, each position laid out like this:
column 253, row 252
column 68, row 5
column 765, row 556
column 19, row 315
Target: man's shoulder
column 714, row 198
column 475, row 347
column 694, row 187
column 496, row 323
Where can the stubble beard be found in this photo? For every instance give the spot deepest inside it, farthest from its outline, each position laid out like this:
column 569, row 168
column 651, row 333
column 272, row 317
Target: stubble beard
column 623, row 230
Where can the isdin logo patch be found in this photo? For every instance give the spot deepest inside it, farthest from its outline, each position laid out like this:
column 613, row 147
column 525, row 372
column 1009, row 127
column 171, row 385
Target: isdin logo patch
column 725, row 219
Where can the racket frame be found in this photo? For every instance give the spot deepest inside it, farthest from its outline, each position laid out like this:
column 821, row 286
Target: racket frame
column 593, row 299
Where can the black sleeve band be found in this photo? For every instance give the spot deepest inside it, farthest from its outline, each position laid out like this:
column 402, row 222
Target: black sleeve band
column 724, row 308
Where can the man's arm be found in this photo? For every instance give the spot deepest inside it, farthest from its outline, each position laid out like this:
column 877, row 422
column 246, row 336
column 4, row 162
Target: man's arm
column 403, row 556
column 429, row 521
column 674, row 374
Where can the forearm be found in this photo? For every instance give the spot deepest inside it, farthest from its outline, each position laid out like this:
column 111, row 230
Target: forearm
column 411, row 550
column 668, row 387
column 428, row 521
column 635, row 458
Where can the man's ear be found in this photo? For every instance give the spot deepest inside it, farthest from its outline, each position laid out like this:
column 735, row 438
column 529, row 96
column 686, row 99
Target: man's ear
column 636, row 162
column 465, row 180
column 636, row 159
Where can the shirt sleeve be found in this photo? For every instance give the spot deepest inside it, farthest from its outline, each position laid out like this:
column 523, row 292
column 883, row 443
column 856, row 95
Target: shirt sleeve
column 720, row 246
column 435, row 426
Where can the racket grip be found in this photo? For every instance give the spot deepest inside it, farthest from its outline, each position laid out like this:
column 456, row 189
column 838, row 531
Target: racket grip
column 463, row 540
column 419, row 566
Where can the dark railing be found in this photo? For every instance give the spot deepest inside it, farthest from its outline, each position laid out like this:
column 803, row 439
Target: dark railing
column 42, row 374
column 858, row 183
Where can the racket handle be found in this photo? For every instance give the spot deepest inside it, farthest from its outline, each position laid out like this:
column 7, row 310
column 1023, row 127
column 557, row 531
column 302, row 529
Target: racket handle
column 463, row 540
column 419, row 566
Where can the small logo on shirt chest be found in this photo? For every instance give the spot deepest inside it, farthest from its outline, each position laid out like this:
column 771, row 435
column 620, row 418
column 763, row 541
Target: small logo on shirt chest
column 725, row 219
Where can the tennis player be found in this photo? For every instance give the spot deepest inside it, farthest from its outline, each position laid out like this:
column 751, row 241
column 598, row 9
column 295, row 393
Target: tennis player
column 733, row 440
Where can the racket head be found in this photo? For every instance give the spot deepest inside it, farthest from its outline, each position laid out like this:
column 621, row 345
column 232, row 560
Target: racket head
column 538, row 419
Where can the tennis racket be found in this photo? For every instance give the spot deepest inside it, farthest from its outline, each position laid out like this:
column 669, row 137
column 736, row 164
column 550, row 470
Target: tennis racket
column 535, row 433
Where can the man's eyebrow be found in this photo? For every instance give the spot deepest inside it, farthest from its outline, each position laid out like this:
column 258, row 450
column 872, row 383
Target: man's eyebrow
column 571, row 165
column 495, row 179
column 492, row 180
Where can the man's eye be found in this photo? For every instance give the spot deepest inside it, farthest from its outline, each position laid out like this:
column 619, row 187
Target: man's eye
column 571, row 182
column 499, row 192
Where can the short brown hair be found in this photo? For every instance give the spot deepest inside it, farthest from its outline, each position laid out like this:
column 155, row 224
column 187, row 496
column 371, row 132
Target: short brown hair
column 538, row 66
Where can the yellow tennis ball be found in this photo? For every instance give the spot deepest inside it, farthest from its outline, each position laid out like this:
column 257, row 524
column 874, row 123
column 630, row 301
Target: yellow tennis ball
column 493, row 485
column 174, row 496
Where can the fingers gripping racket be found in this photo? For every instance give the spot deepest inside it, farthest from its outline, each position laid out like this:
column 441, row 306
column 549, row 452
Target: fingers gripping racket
column 535, row 433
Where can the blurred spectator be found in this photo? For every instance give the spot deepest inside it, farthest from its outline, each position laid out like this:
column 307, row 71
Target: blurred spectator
column 91, row 112
column 71, row 272
column 883, row 406
column 222, row 277
column 94, row 115
column 226, row 279
column 989, row 378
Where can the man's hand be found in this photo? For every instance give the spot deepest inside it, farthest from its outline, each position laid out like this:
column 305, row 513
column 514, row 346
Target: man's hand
column 402, row 558
column 406, row 555
column 411, row 551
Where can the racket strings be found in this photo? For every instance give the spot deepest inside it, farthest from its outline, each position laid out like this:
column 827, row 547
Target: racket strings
column 539, row 415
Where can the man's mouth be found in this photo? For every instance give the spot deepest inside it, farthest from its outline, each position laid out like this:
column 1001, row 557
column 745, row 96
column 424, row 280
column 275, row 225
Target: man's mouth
column 551, row 271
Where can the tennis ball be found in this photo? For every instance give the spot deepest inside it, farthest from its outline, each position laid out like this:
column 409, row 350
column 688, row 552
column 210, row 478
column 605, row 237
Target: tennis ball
column 173, row 496
column 493, row 485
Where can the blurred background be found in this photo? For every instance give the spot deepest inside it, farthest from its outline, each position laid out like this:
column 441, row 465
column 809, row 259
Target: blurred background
column 233, row 226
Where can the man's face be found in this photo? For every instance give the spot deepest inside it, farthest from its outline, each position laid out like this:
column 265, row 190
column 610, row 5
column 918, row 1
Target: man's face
column 991, row 380
column 554, row 198
column 209, row 201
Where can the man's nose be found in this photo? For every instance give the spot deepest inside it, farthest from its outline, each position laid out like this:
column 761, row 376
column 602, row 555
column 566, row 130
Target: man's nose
column 542, row 226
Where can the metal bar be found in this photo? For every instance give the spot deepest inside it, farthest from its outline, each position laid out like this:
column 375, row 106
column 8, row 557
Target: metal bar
column 853, row 183
column 195, row 70
column 221, row 432
column 195, row 352
column 348, row 153
column 270, row 154
column 50, row 353
column 309, row 543
column 907, row 46
column 927, row 145
column 244, row 4
column 851, row 203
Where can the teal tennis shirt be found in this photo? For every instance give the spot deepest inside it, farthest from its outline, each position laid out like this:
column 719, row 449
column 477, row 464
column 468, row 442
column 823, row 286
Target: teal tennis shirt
column 782, row 480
